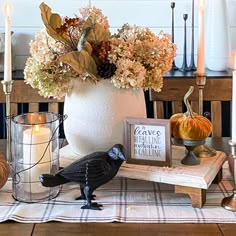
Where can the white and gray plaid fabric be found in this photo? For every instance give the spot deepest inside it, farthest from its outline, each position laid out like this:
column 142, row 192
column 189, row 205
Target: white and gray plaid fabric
column 124, row 200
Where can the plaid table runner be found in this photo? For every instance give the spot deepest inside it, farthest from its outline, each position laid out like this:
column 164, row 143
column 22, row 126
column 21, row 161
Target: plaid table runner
column 124, row 200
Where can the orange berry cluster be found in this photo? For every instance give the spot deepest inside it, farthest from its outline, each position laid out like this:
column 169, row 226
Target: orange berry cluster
column 101, row 50
column 69, row 22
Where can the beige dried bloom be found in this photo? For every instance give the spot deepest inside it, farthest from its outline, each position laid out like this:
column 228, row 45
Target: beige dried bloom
column 83, row 48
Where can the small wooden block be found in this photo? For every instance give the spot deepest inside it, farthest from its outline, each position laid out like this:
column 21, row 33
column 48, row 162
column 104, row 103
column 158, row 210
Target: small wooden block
column 199, row 176
column 197, row 195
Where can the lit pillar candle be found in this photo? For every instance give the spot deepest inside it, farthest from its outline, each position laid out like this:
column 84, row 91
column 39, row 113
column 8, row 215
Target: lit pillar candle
column 201, row 28
column 37, row 153
column 234, row 102
column 7, row 52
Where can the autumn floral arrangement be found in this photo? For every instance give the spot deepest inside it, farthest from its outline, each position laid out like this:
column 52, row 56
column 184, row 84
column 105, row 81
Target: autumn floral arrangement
column 83, row 48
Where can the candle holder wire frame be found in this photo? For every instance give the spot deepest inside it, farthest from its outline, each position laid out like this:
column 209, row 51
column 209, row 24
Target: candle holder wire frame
column 202, row 150
column 61, row 119
column 23, row 180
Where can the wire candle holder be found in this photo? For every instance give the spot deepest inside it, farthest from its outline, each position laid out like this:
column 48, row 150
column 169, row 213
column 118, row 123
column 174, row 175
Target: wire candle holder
column 35, row 151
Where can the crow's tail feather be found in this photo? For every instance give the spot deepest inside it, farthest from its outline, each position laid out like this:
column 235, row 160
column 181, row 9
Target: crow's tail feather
column 48, row 180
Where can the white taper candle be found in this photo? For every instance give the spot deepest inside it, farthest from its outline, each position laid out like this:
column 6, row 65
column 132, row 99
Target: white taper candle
column 201, row 28
column 37, row 154
column 7, row 52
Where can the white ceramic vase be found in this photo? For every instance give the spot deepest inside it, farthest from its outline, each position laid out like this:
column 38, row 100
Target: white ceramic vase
column 216, row 36
column 96, row 115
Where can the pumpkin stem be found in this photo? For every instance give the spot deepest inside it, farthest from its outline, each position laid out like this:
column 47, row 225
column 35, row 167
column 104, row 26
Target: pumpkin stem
column 186, row 102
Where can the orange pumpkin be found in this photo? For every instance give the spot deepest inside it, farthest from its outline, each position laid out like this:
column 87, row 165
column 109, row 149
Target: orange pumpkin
column 190, row 125
column 4, row 171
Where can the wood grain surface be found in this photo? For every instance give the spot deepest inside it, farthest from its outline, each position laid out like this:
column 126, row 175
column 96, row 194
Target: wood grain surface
column 115, row 229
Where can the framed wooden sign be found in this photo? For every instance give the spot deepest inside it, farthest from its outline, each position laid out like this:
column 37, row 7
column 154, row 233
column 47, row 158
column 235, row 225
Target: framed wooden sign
column 148, row 141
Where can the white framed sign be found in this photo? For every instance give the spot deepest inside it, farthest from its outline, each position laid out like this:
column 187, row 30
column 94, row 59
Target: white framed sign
column 148, row 141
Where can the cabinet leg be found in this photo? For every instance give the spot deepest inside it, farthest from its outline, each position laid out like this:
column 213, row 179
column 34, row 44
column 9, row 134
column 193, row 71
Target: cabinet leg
column 197, row 195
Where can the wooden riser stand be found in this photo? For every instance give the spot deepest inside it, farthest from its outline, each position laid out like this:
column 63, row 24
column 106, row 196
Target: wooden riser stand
column 191, row 180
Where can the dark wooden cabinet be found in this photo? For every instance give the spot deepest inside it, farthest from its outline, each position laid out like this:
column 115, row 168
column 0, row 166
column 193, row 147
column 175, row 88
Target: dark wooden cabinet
column 217, row 96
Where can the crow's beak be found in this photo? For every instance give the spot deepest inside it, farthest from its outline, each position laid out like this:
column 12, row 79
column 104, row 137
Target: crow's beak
column 122, row 156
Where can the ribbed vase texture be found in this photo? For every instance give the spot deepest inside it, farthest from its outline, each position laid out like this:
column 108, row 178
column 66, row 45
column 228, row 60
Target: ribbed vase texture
column 96, row 115
column 216, row 35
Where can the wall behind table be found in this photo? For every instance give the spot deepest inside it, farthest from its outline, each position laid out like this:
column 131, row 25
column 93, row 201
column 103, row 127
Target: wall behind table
column 156, row 14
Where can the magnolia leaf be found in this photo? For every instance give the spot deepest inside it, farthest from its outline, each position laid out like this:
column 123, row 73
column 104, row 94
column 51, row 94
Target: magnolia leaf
column 55, row 21
column 52, row 21
column 81, row 62
column 89, row 23
column 87, row 47
column 45, row 12
column 98, row 33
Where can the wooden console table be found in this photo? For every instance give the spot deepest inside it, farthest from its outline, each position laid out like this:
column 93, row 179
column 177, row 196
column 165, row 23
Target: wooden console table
column 176, row 84
column 191, row 180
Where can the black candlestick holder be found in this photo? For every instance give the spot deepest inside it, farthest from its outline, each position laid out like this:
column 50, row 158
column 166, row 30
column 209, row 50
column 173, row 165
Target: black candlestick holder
column 184, row 66
column 174, row 67
column 192, row 66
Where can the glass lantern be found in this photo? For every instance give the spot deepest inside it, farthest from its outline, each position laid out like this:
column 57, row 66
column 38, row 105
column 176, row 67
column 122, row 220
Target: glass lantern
column 35, row 151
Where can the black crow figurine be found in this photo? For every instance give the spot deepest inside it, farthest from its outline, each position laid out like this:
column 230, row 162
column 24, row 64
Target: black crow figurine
column 90, row 172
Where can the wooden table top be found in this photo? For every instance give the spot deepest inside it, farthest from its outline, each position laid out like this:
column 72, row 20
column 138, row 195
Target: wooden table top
column 10, row 228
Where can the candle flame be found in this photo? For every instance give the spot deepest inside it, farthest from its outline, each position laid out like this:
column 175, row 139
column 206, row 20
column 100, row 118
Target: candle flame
column 36, row 128
column 201, row 3
column 7, row 10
